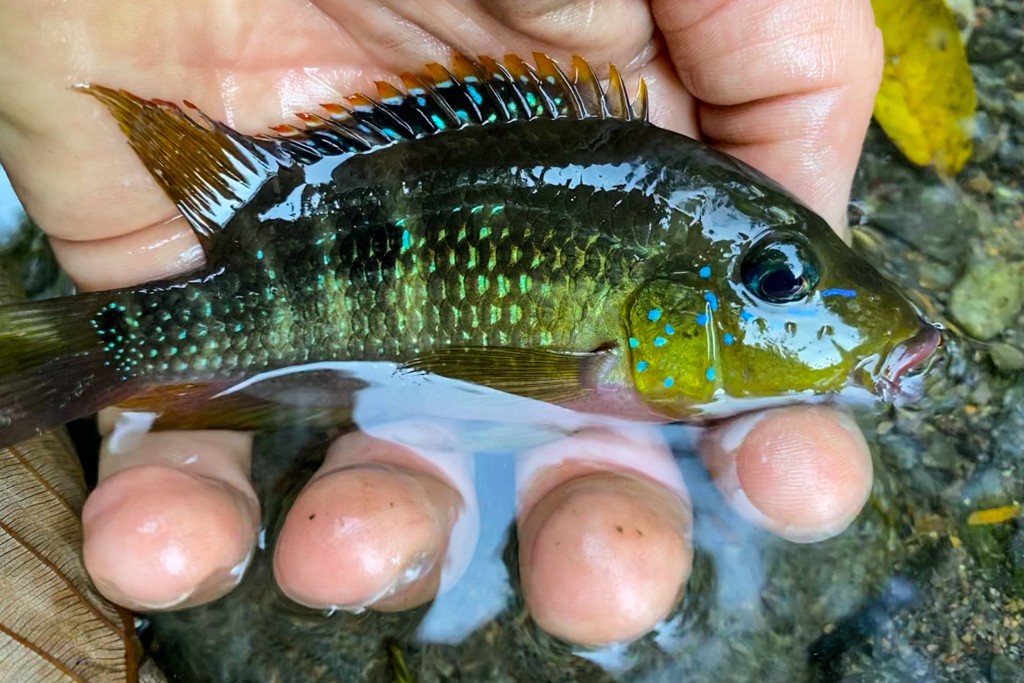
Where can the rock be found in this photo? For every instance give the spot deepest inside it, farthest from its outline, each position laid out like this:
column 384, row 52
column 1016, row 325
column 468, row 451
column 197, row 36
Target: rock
column 987, row 298
column 1007, row 358
column 1015, row 109
column 1017, row 548
column 936, row 219
column 1004, row 670
column 941, row 455
column 987, row 137
column 986, row 48
column 1010, row 156
column 979, row 183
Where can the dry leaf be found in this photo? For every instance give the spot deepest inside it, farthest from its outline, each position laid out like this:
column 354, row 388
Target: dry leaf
column 927, row 101
column 53, row 624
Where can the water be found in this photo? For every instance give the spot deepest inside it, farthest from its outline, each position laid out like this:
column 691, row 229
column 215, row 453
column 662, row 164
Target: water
column 10, row 208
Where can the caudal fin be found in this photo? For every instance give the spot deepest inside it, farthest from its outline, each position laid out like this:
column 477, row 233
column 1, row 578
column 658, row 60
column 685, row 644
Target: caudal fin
column 52, row 365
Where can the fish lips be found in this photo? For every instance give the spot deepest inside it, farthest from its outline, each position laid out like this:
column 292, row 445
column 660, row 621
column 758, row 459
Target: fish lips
column 910, row 358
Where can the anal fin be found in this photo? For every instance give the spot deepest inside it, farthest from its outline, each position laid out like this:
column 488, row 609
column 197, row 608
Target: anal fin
column 317, row 400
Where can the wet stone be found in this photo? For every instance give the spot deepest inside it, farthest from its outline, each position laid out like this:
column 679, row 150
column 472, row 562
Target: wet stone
column 1017, row 548
column 986, row 48
column 1007, row 358
column 985, row 487
column 987, row 137
column 935, row 219
column 941, row 455
column 987, row 298
column 1004, row 670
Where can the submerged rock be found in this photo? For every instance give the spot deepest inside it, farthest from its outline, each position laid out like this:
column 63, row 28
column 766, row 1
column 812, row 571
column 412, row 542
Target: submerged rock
column 987, row 298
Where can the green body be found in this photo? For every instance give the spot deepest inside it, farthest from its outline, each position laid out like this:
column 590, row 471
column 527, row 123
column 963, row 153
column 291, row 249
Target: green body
column 489, row 236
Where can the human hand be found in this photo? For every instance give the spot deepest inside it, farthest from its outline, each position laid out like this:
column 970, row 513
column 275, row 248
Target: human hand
column 786, row 85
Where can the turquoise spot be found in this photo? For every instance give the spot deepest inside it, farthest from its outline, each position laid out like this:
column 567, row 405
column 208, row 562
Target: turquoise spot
column 746, row 316
column 259, row 254
column 712, row 301
column 702, row 319
column 634, row 342
column 474, row 92
column 670, row 330
column 710, row 374
column 669, row 381
column 654, row 315
column 660, row 341
column 728, row 339
column 848, row 293
column 438, row 122
column 406, row 240
column 642, row 365
column 705, row 272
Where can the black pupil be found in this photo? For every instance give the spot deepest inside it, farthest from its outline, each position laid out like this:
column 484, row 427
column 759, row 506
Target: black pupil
column 780, row 272
column 781, row 283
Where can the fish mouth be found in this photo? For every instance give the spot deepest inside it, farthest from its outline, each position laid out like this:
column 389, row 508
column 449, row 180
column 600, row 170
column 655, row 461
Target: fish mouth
column 907, row 359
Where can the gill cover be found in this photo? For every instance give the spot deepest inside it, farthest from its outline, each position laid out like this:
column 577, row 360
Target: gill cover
column 673, row 350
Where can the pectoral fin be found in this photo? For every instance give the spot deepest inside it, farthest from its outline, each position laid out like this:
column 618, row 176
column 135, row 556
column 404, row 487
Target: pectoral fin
column 552, row 376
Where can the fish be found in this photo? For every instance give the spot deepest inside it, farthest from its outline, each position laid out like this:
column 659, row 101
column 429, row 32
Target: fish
column 495, row 223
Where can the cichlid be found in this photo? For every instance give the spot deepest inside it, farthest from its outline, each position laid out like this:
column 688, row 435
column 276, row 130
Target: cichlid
column 497, row 223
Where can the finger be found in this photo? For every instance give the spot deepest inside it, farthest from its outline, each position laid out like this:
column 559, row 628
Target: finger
column 173, row 521
column 604, row 532
column 786, row 85
column 804, row 472
column 378, row 518
column 612, row 27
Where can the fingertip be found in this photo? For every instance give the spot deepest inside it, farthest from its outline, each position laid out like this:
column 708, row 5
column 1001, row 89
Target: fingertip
column 802, row 472
column 159, row 538
column 364, row 536
column 604, row 558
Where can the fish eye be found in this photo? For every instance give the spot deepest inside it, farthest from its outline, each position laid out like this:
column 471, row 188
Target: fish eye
column 780, row 271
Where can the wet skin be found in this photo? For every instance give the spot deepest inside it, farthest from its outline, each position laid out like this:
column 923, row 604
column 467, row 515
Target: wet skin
column 786, row 85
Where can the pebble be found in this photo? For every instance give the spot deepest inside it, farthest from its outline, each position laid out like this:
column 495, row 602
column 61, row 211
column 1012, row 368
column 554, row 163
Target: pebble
column 1017, row 548
column 979, row 183
column 987, row 298
column 986, row 49
column 1004, row 670
column 941, row 455
column 1007, row 358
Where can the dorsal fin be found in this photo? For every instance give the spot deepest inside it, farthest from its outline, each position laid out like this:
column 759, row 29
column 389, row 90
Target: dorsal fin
column 210, row 171
column 470, row 93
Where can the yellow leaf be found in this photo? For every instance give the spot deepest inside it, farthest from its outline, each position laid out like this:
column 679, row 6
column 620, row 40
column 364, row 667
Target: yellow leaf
column 994, row 515
column 927, row 101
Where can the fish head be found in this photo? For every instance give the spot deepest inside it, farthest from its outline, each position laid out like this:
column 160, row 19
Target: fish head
column 777, row 312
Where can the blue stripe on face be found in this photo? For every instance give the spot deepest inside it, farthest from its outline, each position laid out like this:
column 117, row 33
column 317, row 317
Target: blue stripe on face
column 846, row 293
